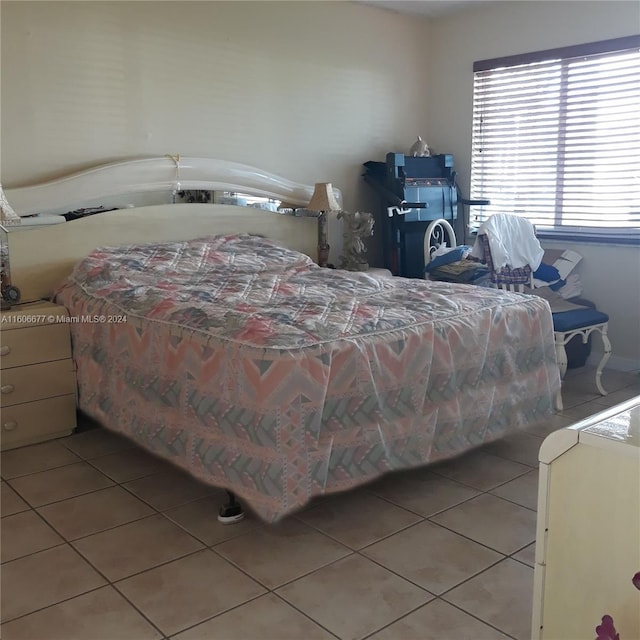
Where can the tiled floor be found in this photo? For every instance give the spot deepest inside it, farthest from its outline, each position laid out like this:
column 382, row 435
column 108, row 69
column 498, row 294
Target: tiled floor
column 101, row 541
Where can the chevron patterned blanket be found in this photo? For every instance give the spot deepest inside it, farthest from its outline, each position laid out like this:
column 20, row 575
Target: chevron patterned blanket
column 258, row 371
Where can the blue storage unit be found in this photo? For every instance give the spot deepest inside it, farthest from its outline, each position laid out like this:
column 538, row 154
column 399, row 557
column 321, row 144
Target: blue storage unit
column 425, row 190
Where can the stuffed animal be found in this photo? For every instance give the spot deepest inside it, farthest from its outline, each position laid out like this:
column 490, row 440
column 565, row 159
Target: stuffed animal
column 420, row 149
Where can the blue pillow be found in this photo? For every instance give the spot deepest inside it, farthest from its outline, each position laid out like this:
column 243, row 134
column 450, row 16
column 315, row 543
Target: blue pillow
column 446, row 258
column 546, row 272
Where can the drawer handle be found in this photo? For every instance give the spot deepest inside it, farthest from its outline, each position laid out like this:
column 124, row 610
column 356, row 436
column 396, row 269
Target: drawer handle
column 10, row 426
column 5, row 350
column 7, row 388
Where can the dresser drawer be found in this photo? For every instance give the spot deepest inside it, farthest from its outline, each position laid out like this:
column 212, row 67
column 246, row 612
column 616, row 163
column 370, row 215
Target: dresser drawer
column 30, row 345
column 37, row 382
column 23, row 424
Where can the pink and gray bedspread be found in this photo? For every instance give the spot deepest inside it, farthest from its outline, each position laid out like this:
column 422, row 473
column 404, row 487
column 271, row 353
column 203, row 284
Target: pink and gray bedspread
column 258, row 371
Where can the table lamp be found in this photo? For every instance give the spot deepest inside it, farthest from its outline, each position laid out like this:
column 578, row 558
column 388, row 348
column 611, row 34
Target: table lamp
column 323, row 201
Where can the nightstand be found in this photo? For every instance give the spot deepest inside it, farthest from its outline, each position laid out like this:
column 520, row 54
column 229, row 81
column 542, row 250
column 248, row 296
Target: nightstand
column 38, row 384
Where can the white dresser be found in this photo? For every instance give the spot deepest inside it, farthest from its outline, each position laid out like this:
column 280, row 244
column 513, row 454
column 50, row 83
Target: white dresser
column 38, row 381
column 588, row 532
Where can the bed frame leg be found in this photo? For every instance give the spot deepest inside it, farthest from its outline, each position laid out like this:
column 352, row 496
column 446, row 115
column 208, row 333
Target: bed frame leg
column 232, row 511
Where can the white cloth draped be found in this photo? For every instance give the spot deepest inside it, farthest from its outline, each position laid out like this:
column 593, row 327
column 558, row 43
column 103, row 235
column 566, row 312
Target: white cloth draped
column 512, row 240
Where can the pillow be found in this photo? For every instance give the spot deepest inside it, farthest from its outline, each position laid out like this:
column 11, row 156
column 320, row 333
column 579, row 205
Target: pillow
column 453, row 255
column 546, row 272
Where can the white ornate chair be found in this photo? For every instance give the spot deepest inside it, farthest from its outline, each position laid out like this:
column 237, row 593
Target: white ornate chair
column 566, row 324
column 438, row 232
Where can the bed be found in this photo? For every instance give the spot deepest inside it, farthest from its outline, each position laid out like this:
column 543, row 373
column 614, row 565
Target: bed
column 242, row 361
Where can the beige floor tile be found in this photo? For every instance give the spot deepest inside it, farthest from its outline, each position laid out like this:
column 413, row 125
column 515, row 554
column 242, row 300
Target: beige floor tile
column 188, row 591
column 275, row 554
column 357, row 518
column 616, row 397
column 438, row 620
column 130, row 464
column 353, row 597
column 137, row 546
column 571, row 398
column 501, row 596
column 44, row 578
column 553, row 423
column 527, row 555
column 25, row 533
column 169, row 489
column 496, row 523
column 102, row 614
column 200, row 519
column 480, row 470
column 37, row 457
column 424, row 493
column 581, row 380
column 96, row 442
column 10, row 501
column 575, row 371
column 432, row 557
column 585, row 380
column 523, row 490
column 520, row 447
column 59, row 484
column 582, row 411
column 619, row 379
column 94, row 512
column 265, row 618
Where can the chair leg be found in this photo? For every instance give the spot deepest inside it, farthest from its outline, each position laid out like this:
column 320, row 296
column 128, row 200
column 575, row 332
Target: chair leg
column 605, row 356
column 559, row 404
column 561, row 357
column 561, row 353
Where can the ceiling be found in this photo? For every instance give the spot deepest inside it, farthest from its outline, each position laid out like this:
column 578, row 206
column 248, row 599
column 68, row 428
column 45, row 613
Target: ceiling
column 427, row 8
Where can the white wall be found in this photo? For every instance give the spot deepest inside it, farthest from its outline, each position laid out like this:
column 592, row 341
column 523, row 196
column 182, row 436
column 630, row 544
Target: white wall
column 308, row 90
column 610, row 274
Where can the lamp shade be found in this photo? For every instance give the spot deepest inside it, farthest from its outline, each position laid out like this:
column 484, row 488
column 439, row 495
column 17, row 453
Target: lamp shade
column 7, row 214
column 323, row 198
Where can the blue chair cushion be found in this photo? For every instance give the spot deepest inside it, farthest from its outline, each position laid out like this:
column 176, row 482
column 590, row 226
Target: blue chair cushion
column 570, row 320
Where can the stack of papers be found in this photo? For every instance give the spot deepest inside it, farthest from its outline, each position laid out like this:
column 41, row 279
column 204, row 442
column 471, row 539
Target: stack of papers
column 564, row 260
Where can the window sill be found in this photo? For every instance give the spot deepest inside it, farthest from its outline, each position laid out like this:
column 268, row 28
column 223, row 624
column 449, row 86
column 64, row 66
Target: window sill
column 630, row 238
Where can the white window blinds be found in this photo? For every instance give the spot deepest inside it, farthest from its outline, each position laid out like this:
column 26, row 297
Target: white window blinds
column 556, row 138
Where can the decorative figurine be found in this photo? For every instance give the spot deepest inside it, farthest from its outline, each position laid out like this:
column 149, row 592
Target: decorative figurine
column 420, row 149
column 357, row 226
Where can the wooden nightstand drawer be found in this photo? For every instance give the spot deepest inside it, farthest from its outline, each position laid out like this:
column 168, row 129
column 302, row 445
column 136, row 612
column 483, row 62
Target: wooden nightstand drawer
column 30, row 345
column 37, row 381
column 31, row 422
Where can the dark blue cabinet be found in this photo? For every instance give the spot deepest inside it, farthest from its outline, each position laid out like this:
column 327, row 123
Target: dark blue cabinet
column 415, row 191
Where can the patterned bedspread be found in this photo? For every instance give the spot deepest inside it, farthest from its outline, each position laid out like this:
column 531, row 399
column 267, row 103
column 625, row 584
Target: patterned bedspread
column 258, row 371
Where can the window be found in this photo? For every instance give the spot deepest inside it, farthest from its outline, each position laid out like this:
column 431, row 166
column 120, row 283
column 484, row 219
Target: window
column 556, row 138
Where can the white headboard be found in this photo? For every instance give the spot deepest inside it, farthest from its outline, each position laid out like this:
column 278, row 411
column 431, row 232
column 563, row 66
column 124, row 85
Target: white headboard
column 120, row 183
column 40, row 257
